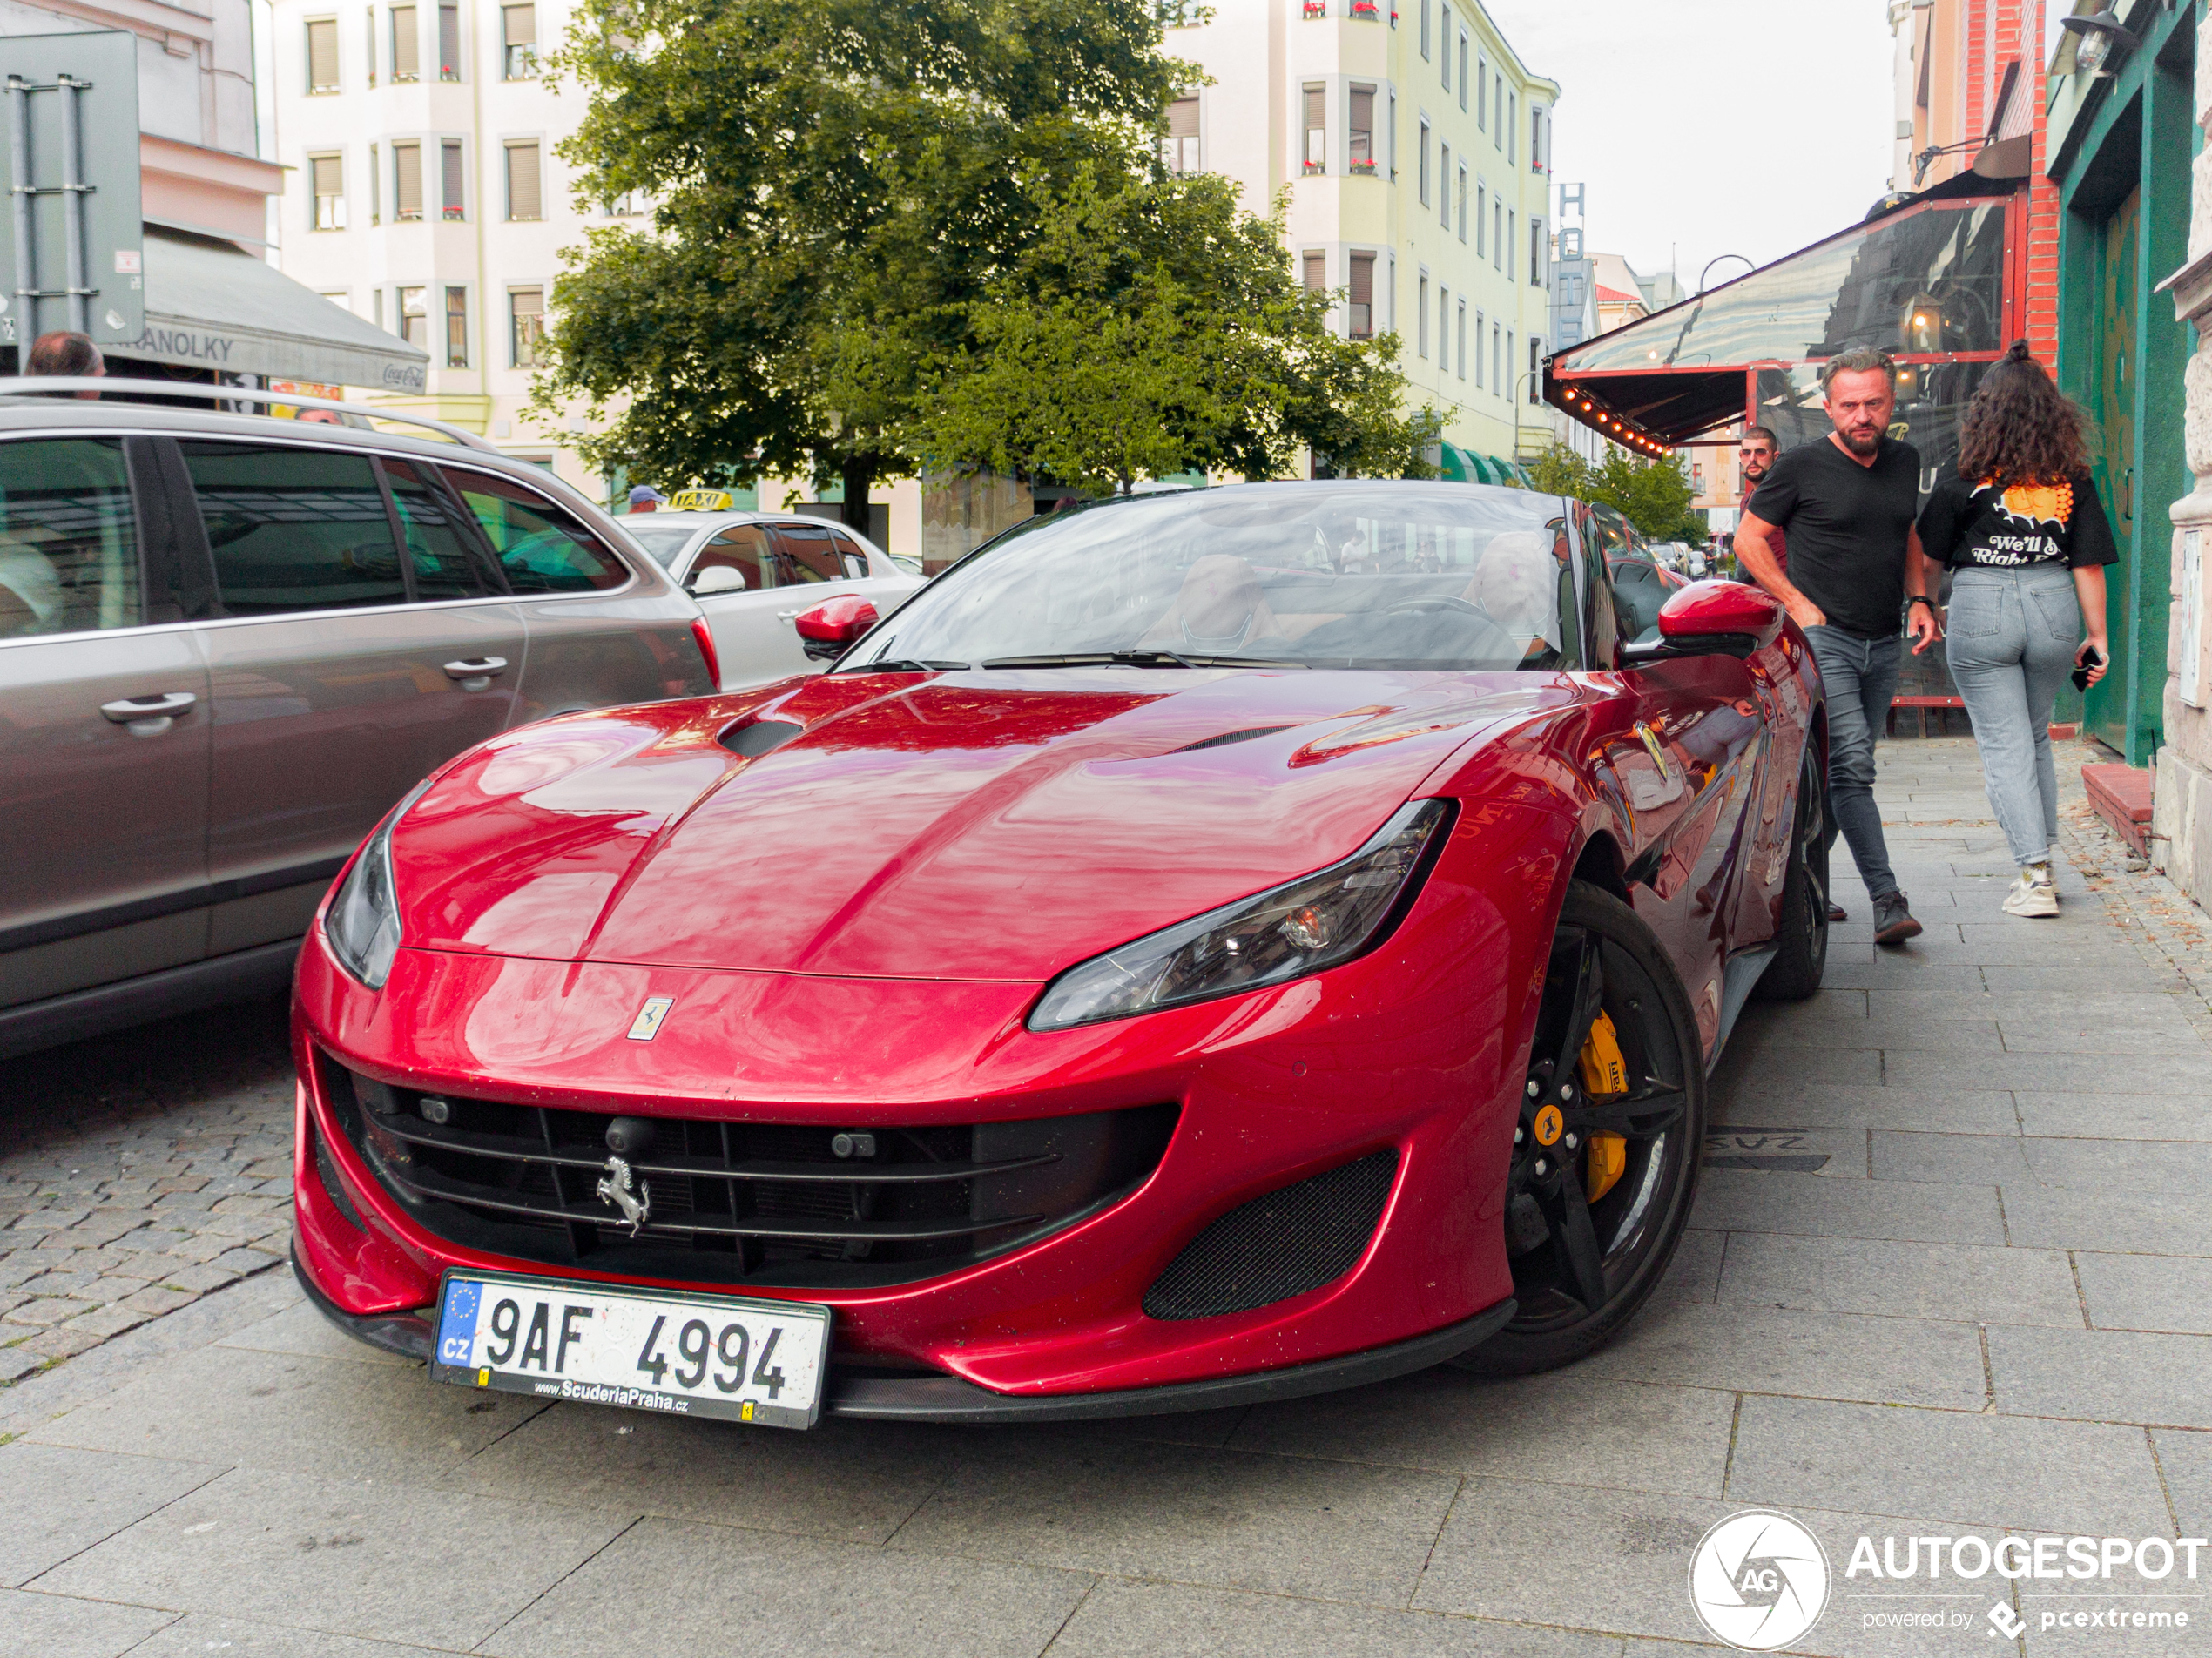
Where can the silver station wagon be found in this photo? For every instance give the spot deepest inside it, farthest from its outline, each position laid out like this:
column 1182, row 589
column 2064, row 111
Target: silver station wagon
column 229, row 644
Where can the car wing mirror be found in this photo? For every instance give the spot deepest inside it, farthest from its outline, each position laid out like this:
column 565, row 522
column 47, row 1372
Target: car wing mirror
column 1711, row 618
column 830, row 629
column 717, row 578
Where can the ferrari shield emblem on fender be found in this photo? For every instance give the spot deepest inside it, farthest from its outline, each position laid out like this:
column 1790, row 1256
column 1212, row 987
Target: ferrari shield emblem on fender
column 647, row 1024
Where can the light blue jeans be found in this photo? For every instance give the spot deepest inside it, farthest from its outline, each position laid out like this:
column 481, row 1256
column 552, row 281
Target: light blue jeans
column 1860, row 677
column 2011, row 640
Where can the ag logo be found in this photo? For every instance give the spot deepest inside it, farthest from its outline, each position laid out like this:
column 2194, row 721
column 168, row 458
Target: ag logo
column 1759, row 1580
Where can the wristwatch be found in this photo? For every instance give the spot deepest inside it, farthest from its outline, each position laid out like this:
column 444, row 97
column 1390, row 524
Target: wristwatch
column 1919, row 598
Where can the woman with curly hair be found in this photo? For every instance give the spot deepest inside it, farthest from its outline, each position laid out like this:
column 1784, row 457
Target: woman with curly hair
column 2021, row 527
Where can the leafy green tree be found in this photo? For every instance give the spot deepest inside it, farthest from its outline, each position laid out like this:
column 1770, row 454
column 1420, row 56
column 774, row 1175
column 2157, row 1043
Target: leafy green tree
column 832, row 186
column 1155, row 327
column 1652, row 495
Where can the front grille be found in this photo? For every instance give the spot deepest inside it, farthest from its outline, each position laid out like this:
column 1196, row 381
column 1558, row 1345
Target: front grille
column 1290, row 1241
column 754, row 1202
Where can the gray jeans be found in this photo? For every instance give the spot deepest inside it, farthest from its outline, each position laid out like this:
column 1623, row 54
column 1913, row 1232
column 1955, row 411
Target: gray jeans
column 2013, row 635
column 1860, row 676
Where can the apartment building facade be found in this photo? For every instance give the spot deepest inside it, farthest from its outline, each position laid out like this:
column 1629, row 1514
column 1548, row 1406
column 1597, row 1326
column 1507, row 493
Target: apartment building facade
column 1416, row 148
column 425, row 197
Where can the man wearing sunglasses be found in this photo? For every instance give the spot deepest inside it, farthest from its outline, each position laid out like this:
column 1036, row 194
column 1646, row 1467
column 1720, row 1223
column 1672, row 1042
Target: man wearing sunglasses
column 1848, row 504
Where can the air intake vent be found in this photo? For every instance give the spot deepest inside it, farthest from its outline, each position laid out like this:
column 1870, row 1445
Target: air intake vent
column 1277, row 1246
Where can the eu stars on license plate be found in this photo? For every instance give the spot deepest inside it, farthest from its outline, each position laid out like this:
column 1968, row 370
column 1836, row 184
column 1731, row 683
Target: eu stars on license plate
column 650, row 1349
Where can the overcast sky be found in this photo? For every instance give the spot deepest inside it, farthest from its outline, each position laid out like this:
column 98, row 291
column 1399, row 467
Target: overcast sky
column 1714, row 126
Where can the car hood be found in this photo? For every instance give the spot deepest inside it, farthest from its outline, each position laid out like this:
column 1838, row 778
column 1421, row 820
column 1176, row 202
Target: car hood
column 983, row 826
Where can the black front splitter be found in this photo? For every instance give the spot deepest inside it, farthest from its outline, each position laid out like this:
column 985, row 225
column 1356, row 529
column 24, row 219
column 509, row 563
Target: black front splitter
column 948, row 1398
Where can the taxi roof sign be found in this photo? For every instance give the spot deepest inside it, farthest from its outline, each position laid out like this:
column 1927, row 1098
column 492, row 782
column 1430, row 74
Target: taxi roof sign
column 700, row 501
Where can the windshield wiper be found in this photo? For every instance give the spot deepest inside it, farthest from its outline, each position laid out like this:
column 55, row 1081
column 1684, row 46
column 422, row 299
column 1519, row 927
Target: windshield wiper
column 904, row 664
column 1137, row 659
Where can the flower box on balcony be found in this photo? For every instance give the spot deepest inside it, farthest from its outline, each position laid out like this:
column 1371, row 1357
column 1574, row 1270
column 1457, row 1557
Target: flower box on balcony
column 1317, row 8
column 1365, row 12
column 1368, row 168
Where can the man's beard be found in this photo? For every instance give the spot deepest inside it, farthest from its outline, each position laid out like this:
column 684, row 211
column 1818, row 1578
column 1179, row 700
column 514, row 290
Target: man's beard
column 1863, row 442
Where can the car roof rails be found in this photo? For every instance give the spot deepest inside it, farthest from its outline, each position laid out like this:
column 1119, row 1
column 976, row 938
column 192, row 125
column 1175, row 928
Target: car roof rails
column 67, row 384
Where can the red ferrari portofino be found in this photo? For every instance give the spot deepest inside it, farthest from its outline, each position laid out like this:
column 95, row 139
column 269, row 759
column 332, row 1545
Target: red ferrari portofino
column 1205, row 948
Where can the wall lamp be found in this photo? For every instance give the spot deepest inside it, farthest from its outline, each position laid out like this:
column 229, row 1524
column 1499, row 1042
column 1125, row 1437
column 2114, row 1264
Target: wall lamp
column 2097, row 39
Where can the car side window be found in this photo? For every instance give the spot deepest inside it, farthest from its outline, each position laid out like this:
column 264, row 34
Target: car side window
column 808, row 555
column 69, row 537
column 743, row 550
column 542, row 547
column 853, row 557
column 293, row 529
column 437, row 552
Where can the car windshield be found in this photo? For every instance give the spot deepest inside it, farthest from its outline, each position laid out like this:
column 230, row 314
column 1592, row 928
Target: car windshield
column 663, row 541
column 1367, row 574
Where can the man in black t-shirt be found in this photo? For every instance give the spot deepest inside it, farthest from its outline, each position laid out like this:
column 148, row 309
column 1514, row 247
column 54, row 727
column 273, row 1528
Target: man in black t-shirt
column 1847, row 502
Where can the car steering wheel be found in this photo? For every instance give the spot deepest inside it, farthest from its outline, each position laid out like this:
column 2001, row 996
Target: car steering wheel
column 1437, row 601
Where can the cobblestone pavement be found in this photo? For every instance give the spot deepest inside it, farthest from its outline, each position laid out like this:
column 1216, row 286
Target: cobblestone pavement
column 1949, row 1275
column 137, row 1173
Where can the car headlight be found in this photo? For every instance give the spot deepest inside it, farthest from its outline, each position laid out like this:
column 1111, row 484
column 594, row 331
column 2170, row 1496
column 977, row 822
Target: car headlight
column 1302, row 926
column 362, row 924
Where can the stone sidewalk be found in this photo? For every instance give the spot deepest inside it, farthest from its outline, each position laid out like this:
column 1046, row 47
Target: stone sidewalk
column 1950, row 1276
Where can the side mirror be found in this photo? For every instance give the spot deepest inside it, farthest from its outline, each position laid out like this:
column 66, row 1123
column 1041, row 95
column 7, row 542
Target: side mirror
column 718, row 578
column 829, row 630
column 1711, row 618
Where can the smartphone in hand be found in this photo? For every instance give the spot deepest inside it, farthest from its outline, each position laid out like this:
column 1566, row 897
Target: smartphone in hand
column 2094, row 659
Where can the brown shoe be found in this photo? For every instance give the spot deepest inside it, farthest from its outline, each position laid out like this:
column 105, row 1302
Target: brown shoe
column 1894, row 921
column 1838, row 913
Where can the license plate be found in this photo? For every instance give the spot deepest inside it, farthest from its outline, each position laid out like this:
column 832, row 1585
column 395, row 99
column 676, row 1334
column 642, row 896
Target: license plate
column 647, row 1350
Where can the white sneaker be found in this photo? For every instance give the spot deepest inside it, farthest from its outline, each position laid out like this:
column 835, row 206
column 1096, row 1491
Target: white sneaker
column 2035, row 893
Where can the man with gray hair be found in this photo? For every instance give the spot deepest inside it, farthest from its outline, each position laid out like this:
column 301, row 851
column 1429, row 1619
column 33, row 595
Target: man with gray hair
column 1848, row 504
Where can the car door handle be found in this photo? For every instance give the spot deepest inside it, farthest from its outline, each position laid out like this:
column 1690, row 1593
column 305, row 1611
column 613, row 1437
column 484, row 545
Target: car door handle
column 161, row 706
column 481, row 668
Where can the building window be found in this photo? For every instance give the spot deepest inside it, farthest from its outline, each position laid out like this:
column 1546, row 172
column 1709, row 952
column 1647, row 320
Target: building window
column 1463, row 69
column 524, row 192
column 1313, row 270
column 1463, row 339
column 407, row 183
column 1513, row 136
column 369, row 16
column 1535, row 252
column 1498, row 102
column 518, row 35
column 1424, row 28
column 415, row 321
column 406, row 45
column 1536, row 138
column 624, row 206
column 1481, row 211
column 453, row 179
column 1501, row 357
column 326, row 177
column 1478, row 348
column 1179, row 150
column 1444, row 58
column 1316, row 127
column 1463, row 202
column 1362, row 297
column 1420, row 320
column 456, row 327
column 376, row 306
column 322, row 54
column 1363, row 129
column 1424, row 175
column 375, row 189
column 1481, row 95
column 1497, row 232
column 1444, row 196
column 1393, row 138
column 1443, row 330
column 525, row 324
column 1535, row 369
column 449, row 41
column 1504, row 246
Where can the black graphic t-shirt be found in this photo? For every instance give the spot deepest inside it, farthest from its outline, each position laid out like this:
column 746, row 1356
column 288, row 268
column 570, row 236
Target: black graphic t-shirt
column 1981, row 527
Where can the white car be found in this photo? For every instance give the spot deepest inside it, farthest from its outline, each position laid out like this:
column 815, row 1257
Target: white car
column 753, row 572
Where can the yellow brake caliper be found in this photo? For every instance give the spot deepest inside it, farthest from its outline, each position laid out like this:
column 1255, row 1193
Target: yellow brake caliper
column 1605, row 1077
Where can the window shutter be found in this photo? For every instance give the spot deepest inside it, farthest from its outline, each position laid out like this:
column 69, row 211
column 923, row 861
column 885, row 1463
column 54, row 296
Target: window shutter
column 322, row 54
column 523, row 194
